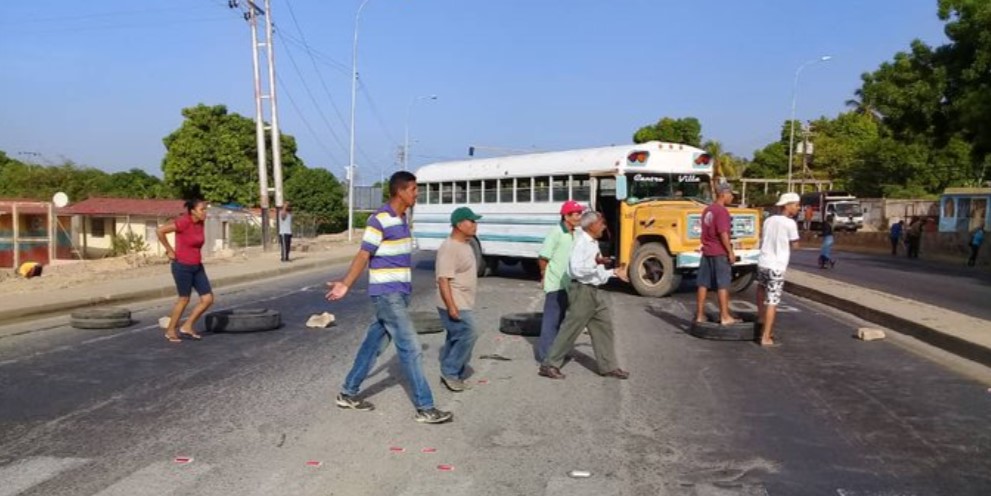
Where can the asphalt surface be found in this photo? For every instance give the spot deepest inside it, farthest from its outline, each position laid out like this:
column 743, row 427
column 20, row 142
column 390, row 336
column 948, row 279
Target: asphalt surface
column 107, row 412
column 955, row 287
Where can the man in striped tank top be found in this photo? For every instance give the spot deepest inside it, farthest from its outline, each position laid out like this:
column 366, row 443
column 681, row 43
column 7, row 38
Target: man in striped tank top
column 386, row 249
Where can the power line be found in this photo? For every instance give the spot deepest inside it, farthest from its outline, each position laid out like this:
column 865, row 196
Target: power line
column 306, row 123
column 376, row 113
column 323, row 83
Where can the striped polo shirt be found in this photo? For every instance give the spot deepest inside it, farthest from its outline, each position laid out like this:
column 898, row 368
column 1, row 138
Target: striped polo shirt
column 387, row 239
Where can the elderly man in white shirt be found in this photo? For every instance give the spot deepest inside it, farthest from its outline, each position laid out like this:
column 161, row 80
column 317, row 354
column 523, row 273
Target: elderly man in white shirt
column 587, row 306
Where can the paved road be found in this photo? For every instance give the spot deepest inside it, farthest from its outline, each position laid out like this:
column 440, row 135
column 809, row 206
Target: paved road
column 958, row 288
column 106, row 413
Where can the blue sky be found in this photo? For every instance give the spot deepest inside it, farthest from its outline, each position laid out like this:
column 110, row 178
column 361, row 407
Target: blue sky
column 101, row 83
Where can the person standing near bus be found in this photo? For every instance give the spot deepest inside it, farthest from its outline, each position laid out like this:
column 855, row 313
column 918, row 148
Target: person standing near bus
column 386, row 249
column 779, row 237
column 895, row 235
column 187, row 268
column 285, row 230
column 554, row 278
column 716, row 267
column 809, row 211
column 457, row 283
column 976, row 239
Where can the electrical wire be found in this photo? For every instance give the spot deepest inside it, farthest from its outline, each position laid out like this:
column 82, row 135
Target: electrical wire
column 306, row 123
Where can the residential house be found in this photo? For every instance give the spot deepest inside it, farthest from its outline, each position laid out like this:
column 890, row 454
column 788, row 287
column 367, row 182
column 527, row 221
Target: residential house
column 97, row 220
column 26, row 233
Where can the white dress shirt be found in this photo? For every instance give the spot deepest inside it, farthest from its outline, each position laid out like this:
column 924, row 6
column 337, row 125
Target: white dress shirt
column 583, row 266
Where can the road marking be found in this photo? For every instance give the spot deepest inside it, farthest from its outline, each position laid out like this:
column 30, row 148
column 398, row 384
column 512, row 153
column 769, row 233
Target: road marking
column 162, row 478
column 29, row 472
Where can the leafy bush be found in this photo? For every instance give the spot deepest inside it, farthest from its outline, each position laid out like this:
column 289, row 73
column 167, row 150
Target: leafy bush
column 127, row 243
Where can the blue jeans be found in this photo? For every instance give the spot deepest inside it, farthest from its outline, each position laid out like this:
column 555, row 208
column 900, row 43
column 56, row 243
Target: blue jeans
column 461, row 337
column 555, row 305
column 826, row 250
column 392, row 320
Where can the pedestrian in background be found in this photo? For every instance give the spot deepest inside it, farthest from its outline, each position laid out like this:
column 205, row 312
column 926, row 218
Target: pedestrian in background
column 895, row 235
column 187, row 268
column 808, row 217
column 588, row 306
column 285, row 231
column 457, row 283
column 914, row 237
column 554, row 256
column 386, row 249
column 779, row 237
column 826, row 249
column 716, row 267
column 976, row 238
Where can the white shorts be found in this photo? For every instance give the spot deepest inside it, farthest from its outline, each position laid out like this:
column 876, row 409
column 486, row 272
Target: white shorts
column 773, row 282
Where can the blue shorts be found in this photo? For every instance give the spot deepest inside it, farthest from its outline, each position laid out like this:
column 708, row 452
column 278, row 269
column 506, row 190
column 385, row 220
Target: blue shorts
column 715, row 272
column 188, row 277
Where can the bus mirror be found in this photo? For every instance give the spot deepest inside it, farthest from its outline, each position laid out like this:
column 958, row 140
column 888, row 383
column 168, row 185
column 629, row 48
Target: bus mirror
column 621, row 188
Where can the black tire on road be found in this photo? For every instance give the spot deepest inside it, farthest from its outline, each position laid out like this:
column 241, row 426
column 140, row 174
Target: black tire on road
column 743, row 277
column 652, row 271
column 521, row 324
column 113, row 323
column 426, row 322
column 531, row 267
column 744, row 331
column 243, row 320
column 101, row 313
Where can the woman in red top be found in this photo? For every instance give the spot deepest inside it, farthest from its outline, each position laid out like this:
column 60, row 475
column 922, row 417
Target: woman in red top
column 187, row 268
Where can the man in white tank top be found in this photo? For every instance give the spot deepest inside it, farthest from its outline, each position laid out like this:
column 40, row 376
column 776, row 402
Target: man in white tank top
column 779, row 237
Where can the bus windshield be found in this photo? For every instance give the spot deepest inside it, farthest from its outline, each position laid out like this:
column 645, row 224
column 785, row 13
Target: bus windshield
column 644, row 187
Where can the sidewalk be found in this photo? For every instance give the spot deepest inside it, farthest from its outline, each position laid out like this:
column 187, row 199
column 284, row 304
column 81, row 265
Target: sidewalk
column 158, row 284
column 963, row 335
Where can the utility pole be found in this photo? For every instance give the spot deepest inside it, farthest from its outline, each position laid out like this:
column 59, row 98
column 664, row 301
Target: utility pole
column 276, row 135
column 252, row 17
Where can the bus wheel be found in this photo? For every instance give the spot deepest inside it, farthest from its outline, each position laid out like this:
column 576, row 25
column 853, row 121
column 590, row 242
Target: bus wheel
column 652, row 271
column 743, row 277
column 531, row 267
column 483, row 265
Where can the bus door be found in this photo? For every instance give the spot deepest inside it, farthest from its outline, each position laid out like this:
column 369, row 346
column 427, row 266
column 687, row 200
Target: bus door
column 605, row 202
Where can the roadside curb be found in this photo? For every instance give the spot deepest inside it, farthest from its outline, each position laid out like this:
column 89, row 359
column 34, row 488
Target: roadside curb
column 162, row 291
column 953, row 344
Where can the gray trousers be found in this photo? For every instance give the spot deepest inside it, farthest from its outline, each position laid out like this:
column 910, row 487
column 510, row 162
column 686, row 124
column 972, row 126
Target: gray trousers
column 587, row 307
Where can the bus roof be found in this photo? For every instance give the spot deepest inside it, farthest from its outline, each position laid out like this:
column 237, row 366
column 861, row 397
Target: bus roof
column 656, row 157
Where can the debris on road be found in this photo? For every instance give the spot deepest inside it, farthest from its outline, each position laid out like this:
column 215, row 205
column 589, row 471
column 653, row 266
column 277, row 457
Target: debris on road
column 164, row 322
column 428, row 450
column 869, row 334
column 579, row 474
column 314, row 463
column 445, row 468
column 397, row 449
column 495, row 357
column 183, row 460
column 320, row 320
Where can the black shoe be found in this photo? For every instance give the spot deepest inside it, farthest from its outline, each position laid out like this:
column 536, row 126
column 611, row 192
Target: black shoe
column 348, row 402
column 433, row 416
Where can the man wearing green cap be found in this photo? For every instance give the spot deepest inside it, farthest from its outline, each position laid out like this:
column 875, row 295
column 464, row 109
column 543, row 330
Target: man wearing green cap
column 457, row 279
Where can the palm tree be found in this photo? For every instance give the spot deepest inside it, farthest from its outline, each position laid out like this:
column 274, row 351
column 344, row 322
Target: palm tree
column 725, row 162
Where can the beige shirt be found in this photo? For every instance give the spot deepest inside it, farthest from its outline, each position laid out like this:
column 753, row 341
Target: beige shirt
column 456, row 261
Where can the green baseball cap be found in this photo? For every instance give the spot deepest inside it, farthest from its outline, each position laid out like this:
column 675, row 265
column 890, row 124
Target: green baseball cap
column 463, row 213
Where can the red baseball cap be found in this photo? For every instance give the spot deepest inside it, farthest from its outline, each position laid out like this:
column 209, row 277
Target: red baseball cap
column 570, row 207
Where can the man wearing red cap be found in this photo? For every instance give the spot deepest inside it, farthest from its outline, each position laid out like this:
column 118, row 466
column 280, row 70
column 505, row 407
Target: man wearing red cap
column 554, row 278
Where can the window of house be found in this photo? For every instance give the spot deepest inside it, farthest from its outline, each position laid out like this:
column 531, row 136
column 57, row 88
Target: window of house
column 505, row 191
column 489, row 195
column 581, row 188
column 524, row 190
column 559, row 188
column 475, row 192
column 542, row 189
column 98, row 227
column 460, row 192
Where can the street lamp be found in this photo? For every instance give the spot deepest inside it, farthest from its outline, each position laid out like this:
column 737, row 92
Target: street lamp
column 409, row 111
column 791, row 123
column 354, row 93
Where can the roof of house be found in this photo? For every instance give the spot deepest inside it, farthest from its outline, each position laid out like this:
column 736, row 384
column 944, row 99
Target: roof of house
column 125, row 206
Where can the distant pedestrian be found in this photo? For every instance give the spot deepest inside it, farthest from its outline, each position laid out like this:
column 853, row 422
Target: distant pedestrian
column 976, row 238
column 588, row 306
column 285, row 230
column 386, row 249
column 780, row 236
column 826, row 249
column 716, row 267
column 914, row 237
column 187, row 268
column 554, row 256
column 808, row 217
column 895, row 235
column 457, row 283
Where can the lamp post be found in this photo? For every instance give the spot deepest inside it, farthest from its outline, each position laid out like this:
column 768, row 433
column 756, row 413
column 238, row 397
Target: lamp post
column 791, row 123
column 409, row 111
column 354, row 93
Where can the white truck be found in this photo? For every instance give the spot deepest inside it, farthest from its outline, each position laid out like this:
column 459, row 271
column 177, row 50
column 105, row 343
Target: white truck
column 838, row 207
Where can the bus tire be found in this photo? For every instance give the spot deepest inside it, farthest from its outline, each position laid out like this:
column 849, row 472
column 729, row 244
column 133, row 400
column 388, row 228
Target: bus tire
column 481, row 263
column 652, row 271
column 531, row 267
column 743, row 277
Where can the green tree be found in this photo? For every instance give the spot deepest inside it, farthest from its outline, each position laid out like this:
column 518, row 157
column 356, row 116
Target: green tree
column 769, row 162
column 686, row 130
column 317, row 193
column 136, row 183
column 213, row 155
column 967, row 60
column 727, row 165
column 840, row 141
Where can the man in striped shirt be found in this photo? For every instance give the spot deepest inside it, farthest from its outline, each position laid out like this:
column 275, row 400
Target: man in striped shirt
column 386, row 249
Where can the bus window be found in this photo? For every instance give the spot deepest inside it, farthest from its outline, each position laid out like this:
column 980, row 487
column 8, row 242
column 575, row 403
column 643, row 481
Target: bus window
column 446, row 193
column 524, row 190
column 475, row 192
column 581, row 188
column 421, row 194
column 559, row 187
column 434, row 193
column 542, row 189
column 694, row 186
column 489, row 195
column 505, row 191
column 460, row 195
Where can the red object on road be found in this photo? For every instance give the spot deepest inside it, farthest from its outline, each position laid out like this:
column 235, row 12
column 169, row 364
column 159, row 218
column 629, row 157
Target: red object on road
column 445, row 468
column 483, row 381
column 182, row 460
column 397, row 449
column 428, row 450
column 314, row 463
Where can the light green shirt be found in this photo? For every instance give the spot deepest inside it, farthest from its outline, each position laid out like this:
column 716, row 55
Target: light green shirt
column 557, row 251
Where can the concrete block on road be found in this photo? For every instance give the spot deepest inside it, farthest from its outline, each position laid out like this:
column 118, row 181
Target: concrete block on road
column 869, row 334
column 164, row 322
column 320, row 320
